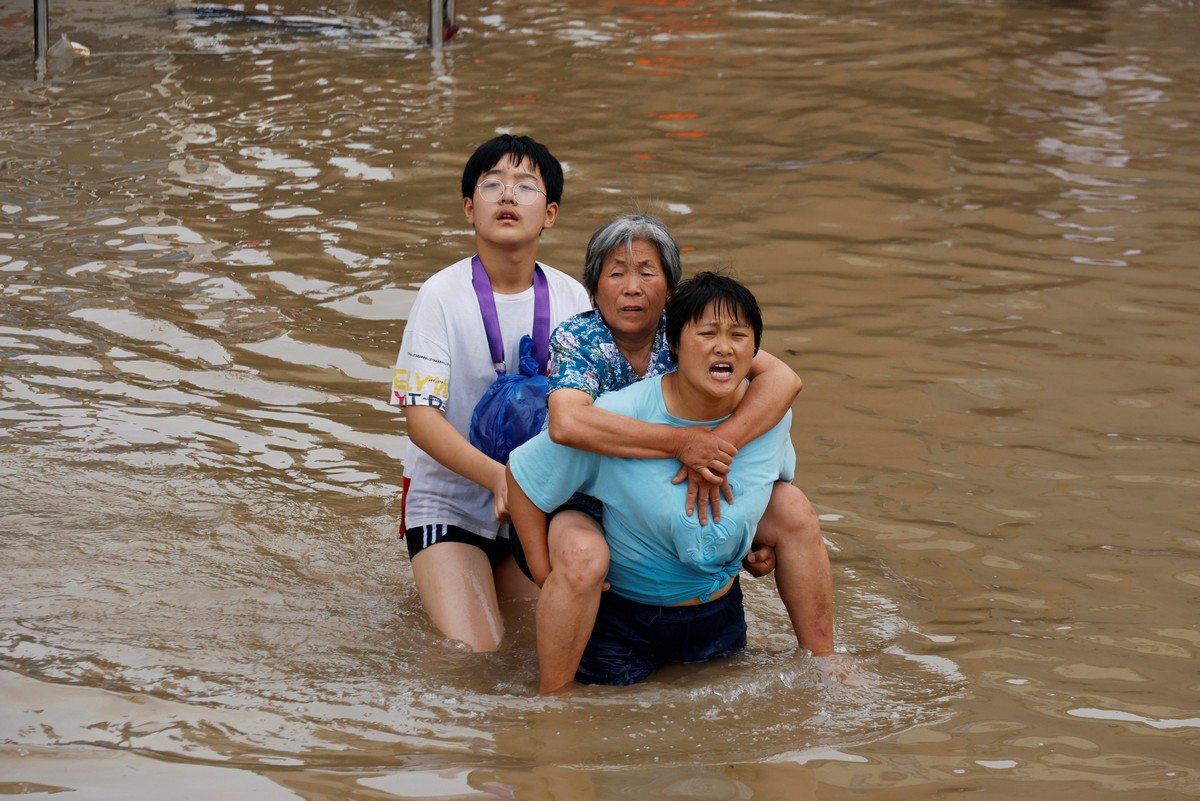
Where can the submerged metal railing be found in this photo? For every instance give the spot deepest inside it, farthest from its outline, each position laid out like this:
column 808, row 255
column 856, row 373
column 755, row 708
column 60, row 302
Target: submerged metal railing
column 441, row 28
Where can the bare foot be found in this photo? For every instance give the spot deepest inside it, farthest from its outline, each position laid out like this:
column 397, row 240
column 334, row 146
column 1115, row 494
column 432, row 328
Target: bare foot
column 838, row 667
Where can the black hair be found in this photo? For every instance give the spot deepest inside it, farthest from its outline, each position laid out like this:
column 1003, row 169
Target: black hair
column 516, row 149
column 689, row 301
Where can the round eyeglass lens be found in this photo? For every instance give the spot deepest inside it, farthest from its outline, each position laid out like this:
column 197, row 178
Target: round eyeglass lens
column 492, row 191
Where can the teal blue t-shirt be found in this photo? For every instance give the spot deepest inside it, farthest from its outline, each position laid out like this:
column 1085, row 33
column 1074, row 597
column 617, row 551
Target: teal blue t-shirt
column 658, row 554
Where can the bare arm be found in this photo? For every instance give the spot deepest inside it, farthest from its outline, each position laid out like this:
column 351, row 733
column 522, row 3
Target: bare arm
column 772, row 391
column 531, row 527
column 577, row 423
column 706, row 457
column 429, row 429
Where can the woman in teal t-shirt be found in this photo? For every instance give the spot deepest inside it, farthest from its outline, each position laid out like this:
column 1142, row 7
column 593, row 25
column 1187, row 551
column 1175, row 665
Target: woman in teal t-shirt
column 674, row 594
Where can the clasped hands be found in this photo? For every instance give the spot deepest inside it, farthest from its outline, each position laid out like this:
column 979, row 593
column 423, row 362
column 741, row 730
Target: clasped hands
column 706, row 461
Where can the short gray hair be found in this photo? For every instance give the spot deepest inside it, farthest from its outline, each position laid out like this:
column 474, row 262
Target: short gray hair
column 623, row 232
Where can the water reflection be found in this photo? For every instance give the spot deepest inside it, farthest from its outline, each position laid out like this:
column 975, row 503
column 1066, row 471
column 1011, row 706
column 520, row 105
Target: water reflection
column 284, row 639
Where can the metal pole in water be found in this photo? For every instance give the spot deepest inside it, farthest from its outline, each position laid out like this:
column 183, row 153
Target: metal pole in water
column 41, row 37
column 437, row 14
column 41, row 29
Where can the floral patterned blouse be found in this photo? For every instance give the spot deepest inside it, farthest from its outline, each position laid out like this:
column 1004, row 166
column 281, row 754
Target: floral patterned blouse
column 584, row 356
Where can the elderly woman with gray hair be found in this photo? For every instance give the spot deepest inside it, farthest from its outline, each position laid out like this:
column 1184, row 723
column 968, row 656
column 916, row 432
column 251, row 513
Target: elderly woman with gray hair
column 632, row 266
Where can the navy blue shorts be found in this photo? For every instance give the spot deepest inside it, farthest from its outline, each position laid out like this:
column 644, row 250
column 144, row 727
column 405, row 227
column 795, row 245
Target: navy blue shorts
column 630, row 640
column 420, row 537
column 583, row 503
column 577, row 503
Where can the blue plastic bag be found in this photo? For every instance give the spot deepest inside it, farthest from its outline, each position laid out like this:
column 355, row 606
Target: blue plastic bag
column 512, row 410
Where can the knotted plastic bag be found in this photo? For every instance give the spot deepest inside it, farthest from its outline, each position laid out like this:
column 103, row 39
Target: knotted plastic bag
column 512, row 410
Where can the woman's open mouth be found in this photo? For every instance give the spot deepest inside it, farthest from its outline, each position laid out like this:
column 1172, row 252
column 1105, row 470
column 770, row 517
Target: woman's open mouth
column 721, row 370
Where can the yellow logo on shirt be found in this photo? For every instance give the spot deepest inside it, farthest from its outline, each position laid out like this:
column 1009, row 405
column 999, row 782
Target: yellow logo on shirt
column 416, row 388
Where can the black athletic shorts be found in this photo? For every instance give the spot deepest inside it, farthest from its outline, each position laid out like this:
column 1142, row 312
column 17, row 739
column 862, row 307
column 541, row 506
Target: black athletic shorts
column 420, row 537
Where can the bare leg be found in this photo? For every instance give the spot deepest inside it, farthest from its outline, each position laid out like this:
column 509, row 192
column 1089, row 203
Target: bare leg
column 512, row 584
column 458, row 592
column 802, row 573
column 566, row 608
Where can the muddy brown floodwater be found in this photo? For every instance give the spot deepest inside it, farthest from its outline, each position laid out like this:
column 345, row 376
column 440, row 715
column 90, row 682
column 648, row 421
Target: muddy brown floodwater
column 973, row 227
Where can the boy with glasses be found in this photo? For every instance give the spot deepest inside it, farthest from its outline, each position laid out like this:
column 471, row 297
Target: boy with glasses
column 454, row 509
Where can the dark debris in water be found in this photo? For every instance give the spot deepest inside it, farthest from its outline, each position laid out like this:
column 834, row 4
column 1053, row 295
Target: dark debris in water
column 213, row 14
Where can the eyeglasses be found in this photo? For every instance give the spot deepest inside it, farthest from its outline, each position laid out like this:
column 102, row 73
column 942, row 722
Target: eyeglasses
column 492, row 190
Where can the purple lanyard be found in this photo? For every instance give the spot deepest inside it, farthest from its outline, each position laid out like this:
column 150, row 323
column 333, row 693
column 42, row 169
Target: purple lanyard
column 491, row 322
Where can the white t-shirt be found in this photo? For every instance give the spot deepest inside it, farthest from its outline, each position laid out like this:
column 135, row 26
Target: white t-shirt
column 444, row 362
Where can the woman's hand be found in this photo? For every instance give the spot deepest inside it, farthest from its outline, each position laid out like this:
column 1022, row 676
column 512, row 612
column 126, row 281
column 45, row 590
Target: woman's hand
column 703, row 494
column 705, row 452
column 760, row 561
